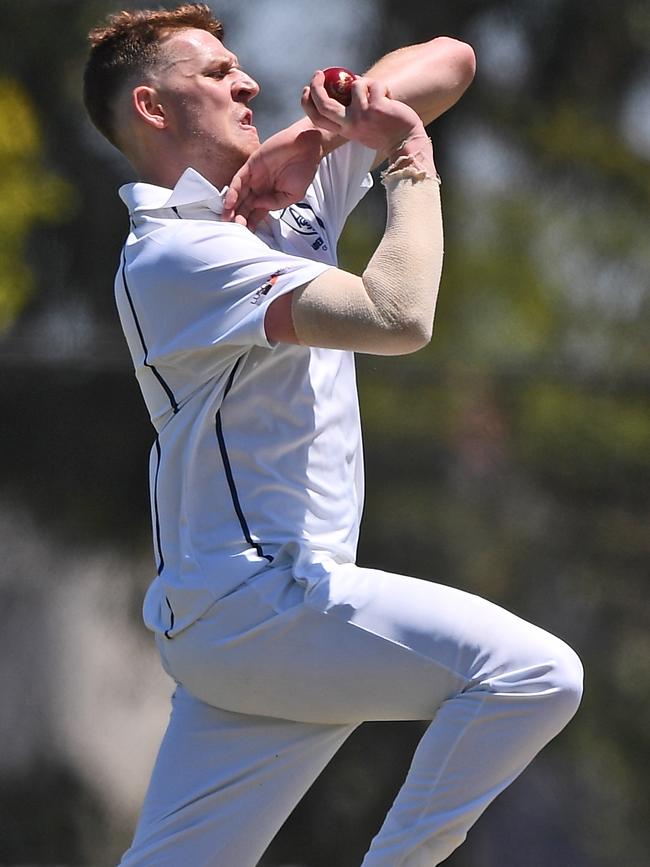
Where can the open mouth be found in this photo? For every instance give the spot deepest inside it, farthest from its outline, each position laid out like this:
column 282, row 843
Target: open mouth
column 246, row 120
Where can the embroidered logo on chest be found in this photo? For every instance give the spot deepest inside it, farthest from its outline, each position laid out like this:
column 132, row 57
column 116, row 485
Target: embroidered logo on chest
column 302, row 218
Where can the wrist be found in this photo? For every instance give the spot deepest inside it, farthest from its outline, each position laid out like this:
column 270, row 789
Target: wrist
column 413, row 156
column 416, row 141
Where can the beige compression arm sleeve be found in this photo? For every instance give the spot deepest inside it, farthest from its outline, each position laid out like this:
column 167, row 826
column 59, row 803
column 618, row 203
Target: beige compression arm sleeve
column 390, row 309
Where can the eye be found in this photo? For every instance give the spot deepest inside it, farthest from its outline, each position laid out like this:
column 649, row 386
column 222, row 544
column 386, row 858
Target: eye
column 221, row 71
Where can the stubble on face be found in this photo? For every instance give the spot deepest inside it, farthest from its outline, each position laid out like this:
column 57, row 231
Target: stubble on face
column 206, row 97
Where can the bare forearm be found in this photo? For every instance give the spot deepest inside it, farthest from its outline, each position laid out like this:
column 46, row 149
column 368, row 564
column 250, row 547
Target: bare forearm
column 430, row 76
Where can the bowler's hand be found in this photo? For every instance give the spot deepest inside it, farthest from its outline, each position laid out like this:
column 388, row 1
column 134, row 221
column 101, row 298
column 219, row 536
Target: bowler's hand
column 373, row 118
column 276, row 175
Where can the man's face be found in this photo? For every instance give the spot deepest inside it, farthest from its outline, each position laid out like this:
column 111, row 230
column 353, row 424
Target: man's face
column 205, row 97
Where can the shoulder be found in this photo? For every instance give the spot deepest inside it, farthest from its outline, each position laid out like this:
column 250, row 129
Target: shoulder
column 203, row 242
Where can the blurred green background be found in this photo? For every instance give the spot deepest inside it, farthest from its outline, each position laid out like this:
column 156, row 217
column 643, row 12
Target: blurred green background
column 510, row 458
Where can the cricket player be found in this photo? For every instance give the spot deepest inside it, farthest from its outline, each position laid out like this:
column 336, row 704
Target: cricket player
column 243, row 331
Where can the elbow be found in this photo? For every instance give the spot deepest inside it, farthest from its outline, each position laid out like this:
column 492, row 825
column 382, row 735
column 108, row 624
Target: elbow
column 461, row 61
column 418, row 336
column 407, row 336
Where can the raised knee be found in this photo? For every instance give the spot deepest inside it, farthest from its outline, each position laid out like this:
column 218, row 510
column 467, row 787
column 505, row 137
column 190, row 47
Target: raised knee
column 567, row 678
column 548, row 673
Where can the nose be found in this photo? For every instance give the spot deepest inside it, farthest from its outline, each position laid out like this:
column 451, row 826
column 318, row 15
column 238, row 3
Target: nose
column 244, row 88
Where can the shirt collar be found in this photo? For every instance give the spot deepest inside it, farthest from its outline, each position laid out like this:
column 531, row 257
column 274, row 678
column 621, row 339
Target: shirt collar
column 191, row 189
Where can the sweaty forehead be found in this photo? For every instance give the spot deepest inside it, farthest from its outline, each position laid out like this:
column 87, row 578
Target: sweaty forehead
column 185, row 48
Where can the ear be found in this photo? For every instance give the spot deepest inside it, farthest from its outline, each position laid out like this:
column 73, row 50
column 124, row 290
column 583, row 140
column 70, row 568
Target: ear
column 145, row 103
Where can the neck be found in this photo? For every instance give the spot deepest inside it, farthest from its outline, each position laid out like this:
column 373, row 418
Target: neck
column 161, row 176
column 163, row 166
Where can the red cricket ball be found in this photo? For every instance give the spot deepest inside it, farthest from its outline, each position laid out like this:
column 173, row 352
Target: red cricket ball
column 338, row 83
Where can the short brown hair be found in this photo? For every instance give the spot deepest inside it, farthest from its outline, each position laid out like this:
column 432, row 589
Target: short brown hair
column 128, row 44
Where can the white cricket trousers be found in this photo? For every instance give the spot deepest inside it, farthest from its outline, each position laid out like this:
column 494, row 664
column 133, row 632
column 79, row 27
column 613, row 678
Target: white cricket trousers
column 275, row 676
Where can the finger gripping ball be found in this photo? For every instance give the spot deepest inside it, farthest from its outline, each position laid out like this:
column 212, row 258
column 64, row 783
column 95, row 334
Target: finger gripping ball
column 338, row 83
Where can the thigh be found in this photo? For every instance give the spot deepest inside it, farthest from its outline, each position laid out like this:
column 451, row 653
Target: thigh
column 224, row 783
column 283, row 648
column 342, row 646
column 461, row 632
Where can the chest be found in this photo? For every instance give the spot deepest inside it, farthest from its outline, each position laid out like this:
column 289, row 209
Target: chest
column 300, row 231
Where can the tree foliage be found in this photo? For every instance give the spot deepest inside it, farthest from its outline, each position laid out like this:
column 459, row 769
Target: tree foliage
column 28, row 193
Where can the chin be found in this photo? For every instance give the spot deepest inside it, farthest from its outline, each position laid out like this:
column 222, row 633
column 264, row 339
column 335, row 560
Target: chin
column 248, row 148
column 244, row 153
column 254, row 141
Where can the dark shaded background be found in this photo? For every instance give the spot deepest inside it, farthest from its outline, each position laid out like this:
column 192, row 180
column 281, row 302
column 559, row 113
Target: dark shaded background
column 510, row 458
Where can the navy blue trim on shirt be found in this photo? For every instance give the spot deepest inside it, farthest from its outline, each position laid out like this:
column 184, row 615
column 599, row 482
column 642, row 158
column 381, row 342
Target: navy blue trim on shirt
column 164, row 385
column 161, row 561
column 171, row 619
column 229, row 476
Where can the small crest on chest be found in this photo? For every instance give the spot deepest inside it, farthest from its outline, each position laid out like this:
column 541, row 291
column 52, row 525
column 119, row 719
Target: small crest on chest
column 302, row 218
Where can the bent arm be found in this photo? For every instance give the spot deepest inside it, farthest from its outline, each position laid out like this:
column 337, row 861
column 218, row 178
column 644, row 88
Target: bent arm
column 389, row 310
column 430, row 76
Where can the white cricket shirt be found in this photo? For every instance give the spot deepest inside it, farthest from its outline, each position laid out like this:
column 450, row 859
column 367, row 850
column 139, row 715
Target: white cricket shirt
column 258, row 449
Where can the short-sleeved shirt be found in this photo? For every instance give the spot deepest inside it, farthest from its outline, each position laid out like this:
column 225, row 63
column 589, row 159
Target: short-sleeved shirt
column 257, row 456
